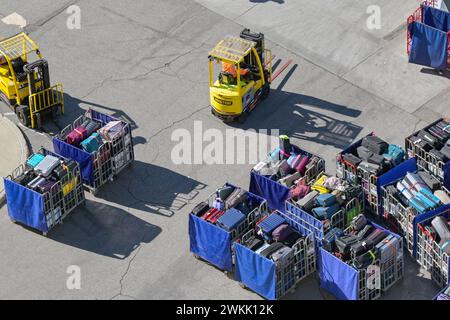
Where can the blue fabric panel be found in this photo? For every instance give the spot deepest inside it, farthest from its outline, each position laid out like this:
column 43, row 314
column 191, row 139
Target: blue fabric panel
column 275, row 193
column 337, row 277
column 256, row 272
column 436, row 18
column 447, row 175
column 210, row 242
column 25, row 206
column 429, row 46
column 104, row 118
column 83, row 158
column 424, row 217
column 304, row 222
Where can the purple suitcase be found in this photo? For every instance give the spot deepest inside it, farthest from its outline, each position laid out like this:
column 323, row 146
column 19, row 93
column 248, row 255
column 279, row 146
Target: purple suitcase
column 301, row 168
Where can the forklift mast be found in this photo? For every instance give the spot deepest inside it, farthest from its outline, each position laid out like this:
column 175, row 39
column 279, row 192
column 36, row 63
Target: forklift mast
column 258, row 38
column 39, row 68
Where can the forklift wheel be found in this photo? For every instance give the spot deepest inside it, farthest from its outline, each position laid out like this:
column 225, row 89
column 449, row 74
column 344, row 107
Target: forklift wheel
column 242, row 118
column 265, row 92
column 24, row 115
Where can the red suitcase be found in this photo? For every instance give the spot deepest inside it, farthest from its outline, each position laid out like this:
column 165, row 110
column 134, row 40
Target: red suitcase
column 77, row 135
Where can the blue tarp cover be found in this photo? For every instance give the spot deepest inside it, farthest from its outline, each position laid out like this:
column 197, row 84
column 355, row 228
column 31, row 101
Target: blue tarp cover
column 210, row 242
column 83, row 158
column 337, row 277
column 25, row 206
column 429, row 46
column 256, row 272
column 275, row 193
column 436, row 18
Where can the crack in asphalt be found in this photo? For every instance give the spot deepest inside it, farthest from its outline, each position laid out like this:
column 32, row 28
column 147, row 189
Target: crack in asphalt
column 33, row 26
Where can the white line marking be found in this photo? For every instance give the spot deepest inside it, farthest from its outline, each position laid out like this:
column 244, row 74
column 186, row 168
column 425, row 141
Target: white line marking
column 15, row 19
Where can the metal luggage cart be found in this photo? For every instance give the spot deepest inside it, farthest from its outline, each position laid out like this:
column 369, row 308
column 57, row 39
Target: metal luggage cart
column 371, row 282
column 340, row 219
column 300, row 266
column 64, row 197
column 432, row 258
column 102, row 165
column 234, row 236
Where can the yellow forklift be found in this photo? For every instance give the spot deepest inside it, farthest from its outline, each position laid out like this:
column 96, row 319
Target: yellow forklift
column 25, row 84
column 245, row 76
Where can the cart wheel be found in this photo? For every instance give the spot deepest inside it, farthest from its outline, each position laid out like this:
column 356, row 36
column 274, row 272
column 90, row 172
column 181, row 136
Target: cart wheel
column 196, row 256
column 242, row 118
column 12, row 220
column 94, row 191
column 243, row 286
column 111, row 179
column 44, row 234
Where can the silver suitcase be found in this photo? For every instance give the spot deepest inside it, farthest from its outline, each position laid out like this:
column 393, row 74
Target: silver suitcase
column 35, row 182
column 289, row 180
column 46, row 166
column 307, row 202
column 282, row 257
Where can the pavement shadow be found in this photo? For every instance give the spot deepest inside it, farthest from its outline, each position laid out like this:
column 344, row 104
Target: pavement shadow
column 104, row 230
column 300, row 116
column 435, row 72
column 152, row 189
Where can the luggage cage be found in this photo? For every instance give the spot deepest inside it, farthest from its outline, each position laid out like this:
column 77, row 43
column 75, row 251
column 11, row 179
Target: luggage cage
column 431, row 257
column 298, row 268
column 255, row 215
column 417, row 16
column 425, row 160
column 390, row 272
column 66, row 195
column 340, row 219
column 111, row 158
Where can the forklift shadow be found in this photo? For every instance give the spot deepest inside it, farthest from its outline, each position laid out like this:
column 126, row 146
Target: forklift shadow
column 300, row 116
column 75, row 108
column 104, row 230
column 152, row 189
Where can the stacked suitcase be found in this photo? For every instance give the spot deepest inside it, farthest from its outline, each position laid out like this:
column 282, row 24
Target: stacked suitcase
column 52, row 185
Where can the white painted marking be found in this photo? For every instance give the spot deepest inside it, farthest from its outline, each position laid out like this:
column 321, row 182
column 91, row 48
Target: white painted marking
column 15, row 19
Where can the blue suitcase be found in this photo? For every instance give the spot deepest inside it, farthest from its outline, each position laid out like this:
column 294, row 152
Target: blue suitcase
column 231, row 219
column 328, row 241
column 323, row 213
column 35, row 159
column 326, row 200
column 271, row 223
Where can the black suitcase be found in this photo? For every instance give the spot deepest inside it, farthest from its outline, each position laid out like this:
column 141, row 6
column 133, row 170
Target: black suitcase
column 352, row 159
column 376, row 159
column 291, row 239
column 438, row 155
column 429, row 138
column 362, row 234
column 375, row 144
column 25, row 178
column 421, row 143
column 365, row 260
column 429, row 180
column 364, row 153
column 444, row 126
column 200, row 209
column 271, row 249
column 254, row 243
column 344, row 243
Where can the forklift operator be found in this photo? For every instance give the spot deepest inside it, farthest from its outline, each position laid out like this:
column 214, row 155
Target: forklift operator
column 230, row 68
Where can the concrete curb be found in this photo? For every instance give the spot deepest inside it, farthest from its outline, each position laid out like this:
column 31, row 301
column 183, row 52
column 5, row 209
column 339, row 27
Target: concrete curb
column 23, row 147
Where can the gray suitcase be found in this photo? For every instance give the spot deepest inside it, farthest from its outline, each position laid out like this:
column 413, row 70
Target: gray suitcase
column 236, row 197
column 288, row 181
column 283, row 256
column 35, row 182
column 46, row 166
column 307, row 202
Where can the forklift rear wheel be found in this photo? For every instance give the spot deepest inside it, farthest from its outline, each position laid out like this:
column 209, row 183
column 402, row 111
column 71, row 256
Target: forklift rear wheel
column 24, row 116
column 242, row 118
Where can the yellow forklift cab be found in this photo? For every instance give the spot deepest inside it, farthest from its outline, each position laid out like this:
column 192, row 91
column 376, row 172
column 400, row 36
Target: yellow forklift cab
column 243, row 79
